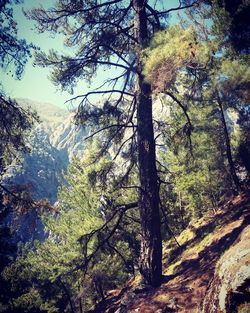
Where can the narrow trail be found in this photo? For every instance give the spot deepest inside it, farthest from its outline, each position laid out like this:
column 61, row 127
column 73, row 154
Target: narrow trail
column 185, row 287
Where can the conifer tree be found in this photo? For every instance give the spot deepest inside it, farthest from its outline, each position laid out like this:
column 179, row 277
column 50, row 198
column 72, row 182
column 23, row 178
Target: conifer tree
column 14, row 53
column 15, row 122
column 113, row 34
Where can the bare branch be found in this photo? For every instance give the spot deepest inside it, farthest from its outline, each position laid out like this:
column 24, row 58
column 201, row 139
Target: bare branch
column 182, row 107
column 11, row 193
column 120, row 126
column 120, row 255
column 163, row 166
column 120, row 210
column 155, row 15
column 123, row 144
column 86, row 95
column 135, row 220
column 93, row 60
column 65, row 13
column 180, row 7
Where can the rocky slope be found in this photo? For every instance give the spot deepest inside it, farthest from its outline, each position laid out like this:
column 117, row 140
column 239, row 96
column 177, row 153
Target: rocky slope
column 53, row 142
column 208, row 273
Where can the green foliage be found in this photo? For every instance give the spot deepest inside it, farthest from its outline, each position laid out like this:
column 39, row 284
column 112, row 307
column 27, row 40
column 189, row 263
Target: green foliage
column 14, row 52
column 233, row 78
column 95, row 42
column 197, row 72
column 201, row 178
column 15, row 123
column 54, row 276
column 93, row 240
column 173, row 49
column 230, row 23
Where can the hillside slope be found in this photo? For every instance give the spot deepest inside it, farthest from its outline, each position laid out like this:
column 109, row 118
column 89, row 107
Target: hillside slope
column 209, row 272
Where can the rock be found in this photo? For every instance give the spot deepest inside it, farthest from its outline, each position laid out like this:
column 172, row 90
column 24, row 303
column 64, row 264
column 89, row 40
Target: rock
column 229, row 287
column 54, row 141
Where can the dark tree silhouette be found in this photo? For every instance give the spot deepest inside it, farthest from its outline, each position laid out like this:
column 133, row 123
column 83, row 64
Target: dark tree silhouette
column 113, row 34
column 15, row 121
column 14, row 52
column 238, row 28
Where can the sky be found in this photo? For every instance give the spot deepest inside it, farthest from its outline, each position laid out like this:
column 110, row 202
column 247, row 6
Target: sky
column 35, row 83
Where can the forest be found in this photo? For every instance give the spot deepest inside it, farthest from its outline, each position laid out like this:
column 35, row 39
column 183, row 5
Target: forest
column 168, row 146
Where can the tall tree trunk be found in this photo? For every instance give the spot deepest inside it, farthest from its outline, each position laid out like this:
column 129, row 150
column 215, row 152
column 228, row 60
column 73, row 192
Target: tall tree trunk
column 228, row 146
column 151, row 244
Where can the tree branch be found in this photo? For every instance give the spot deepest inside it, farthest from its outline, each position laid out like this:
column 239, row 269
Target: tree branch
column 123, row 144
column 120, row 255
column 94, row 7
column 155, row 15
column 120, row 126
column 180, row 7
column 95, row 92
column 190, row 126
column 29, row 202
column 120, row 210
column 168, row 227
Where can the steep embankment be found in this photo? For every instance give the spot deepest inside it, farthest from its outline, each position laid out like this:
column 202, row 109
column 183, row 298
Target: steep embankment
column 209, row 272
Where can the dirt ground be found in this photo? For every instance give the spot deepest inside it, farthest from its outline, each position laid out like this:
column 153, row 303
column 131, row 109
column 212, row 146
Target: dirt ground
column 187, row 278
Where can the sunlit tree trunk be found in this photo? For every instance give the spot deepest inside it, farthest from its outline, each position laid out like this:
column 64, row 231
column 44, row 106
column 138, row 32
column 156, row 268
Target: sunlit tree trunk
column 228, row 146
column 151, row 244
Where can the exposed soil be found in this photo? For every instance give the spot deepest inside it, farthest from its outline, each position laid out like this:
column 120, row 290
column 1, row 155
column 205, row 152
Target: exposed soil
column 185, row 285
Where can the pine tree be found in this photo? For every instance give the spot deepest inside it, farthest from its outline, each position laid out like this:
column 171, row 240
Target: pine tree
column 113, row 34
column 15, row 122
column 51, row 275
column 14, row 52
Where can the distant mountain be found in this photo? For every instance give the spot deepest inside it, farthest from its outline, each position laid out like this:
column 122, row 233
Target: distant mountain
column 53, row 141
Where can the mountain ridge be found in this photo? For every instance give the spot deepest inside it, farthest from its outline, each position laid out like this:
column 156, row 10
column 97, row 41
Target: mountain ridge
column 53, row 142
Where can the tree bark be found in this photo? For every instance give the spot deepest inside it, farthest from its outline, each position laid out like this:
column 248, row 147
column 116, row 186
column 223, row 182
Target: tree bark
column 151, row 244
column 228, row 146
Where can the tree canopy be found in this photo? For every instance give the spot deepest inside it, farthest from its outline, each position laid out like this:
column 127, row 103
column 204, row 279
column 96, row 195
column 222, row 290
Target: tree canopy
column 113, row 34
column 14, row 52
column 169, row 149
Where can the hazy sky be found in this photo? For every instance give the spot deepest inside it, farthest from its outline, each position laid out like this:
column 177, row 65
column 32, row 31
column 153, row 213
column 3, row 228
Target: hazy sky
column 35, row 83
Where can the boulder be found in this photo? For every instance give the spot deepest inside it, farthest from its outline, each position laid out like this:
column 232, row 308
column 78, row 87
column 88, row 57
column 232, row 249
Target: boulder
column 229, row 290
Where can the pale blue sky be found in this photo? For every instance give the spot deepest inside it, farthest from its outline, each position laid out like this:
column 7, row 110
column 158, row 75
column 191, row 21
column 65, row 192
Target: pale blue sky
column 35, row 84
